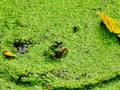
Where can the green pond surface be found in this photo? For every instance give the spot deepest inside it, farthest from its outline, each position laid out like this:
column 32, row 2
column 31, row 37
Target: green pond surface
column 29, row 28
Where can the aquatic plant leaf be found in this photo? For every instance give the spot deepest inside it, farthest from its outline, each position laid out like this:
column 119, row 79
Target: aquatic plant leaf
column 110, row 23
column 8, row 53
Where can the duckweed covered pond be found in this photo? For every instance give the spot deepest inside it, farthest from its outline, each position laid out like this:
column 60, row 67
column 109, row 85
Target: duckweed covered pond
column 29, row 28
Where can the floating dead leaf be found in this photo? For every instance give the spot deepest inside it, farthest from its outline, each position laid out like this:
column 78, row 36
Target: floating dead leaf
column 8, row 53
column 112, row 24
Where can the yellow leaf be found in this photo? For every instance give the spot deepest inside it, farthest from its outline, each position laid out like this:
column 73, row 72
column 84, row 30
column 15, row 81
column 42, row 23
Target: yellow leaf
column 8, row 53
column 110, row 23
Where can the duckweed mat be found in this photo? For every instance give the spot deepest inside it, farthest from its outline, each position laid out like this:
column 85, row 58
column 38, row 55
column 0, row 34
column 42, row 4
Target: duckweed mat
column 40, row 32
